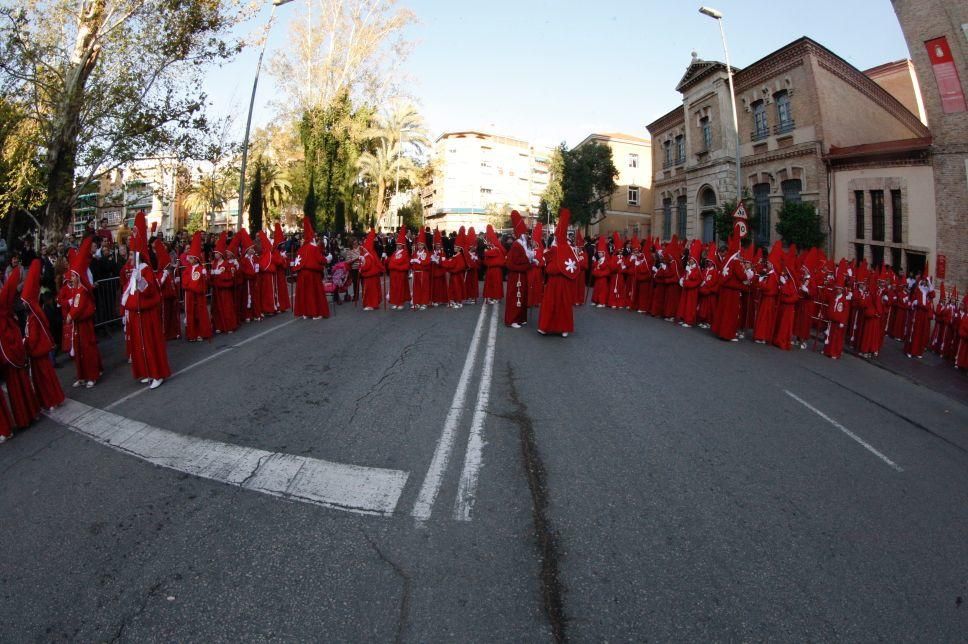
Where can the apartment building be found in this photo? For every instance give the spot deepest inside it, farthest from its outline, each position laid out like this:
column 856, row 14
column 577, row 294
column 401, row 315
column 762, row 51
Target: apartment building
column 481, row 176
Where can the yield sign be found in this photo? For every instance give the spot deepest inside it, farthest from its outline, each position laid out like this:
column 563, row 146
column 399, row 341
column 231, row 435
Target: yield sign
column 740, row 212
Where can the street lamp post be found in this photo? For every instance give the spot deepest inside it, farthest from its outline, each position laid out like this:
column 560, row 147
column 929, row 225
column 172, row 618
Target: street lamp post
column 248, row 120
column 718, row 17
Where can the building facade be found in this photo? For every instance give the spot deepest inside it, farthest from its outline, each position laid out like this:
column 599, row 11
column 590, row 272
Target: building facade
column 480, row 177
column 936, row 32
column 151, row 185
column 794, row 106
column 629, row 209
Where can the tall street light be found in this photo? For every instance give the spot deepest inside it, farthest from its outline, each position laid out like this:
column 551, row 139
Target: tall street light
column 248, row 120
column 718, row 17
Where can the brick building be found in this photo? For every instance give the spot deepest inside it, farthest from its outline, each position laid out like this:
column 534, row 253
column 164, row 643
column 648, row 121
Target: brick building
column 798, row 108
column 937, row 37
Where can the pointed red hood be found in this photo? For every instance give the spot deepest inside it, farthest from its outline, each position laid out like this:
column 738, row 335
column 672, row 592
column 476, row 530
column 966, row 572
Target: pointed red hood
column 196, row 247
column 82, row 260
column 31, row 290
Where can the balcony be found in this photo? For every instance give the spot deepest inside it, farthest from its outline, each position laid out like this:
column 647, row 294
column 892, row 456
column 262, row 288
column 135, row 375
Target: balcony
column 680, row 160
column 759, row 135
column 783, row 128
column 668, row 163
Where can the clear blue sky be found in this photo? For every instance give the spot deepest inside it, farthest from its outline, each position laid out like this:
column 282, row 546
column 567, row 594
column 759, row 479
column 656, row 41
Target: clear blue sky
column 548, row 71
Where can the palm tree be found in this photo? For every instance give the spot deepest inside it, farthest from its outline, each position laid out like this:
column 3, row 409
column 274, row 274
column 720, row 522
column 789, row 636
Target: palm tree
column 401, row 127
column 382, row 166
column 210, row 192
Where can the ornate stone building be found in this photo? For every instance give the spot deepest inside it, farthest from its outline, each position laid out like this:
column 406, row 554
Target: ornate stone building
column 796, row 106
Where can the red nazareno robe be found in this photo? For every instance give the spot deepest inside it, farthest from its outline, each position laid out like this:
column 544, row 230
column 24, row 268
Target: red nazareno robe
column 708, row 293
column 198, row 324
column 251, row 301
column 399, row 268
column 872, row 332
column 310, row 294
column 600, row 273
column 580, row 285
column 67, row 330
column 672, row 289
column 456, row 266
column 494, row 273
column 170, row 314
column 371, row 268
column 536, row 277
column 268, row 287
column 660, row 284
column 786, row 313
column 689, row 297
column 223, row 296
column 557, row 313
column 616, row 282
column 472, row 286
column 16, row 367
column 39, row 343
column 149, row 356
column 420, row 264
column 918, row 335
column 516, row 300
column 83, row 347
column 806, row 309
column 838, row 311
column 438, row 278
column 642, row 274
column 961, row 358
column 726, row 321
column 281, row 263
column 769, row 287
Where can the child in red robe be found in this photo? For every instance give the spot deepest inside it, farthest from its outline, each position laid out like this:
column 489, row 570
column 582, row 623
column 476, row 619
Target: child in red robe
column 80, row 318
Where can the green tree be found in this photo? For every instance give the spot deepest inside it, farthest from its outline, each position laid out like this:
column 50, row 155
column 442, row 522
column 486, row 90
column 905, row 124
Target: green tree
column 256, row 201
column 798, row 223
column 21, row 180
column 589, row 181
column 412, row 213
column 111, row 80
column 196, row 221
column 275, row 188
column 310, row 205
column 554, row 194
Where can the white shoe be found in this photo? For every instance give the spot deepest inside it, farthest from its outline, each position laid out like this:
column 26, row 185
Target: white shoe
column 564, row 335
column 515, row 325
column 89, row 384
column 145, row 381
column 4, row 438
column 423, row 307
column 318, row 317
column 156, row 383
column 367, row 308
column 78, row 383
column 541, row 332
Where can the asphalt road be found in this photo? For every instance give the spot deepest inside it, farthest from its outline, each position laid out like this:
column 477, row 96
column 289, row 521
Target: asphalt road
column 637, row 481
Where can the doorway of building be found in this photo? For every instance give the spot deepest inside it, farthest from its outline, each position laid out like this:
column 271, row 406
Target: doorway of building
column 707, row 205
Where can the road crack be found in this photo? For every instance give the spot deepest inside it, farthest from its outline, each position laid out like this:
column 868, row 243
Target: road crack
column 546, row 537
column 406, row 580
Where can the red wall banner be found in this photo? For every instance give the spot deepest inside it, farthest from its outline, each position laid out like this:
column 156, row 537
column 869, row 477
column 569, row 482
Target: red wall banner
column 946, row 75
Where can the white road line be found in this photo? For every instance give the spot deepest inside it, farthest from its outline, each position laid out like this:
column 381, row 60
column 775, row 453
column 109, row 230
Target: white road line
column 467, row 488
column 870, row 448
column 445, row 444
column 353, row 488
column 138, row 392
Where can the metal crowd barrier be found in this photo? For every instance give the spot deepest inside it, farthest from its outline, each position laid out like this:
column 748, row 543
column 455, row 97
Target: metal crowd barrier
column 107, row 301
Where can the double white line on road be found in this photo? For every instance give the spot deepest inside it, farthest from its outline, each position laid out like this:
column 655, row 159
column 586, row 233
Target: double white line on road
column 467, row 489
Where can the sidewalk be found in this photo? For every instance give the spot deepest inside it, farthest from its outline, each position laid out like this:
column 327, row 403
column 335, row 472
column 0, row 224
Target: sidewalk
column 930, row 371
